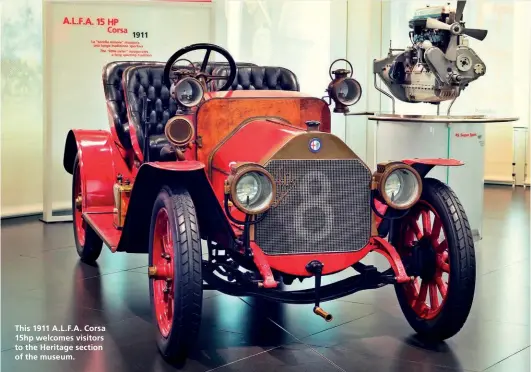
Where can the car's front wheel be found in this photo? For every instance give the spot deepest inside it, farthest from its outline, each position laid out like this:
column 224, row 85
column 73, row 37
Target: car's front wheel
column 88, row 243
column 175, row 284
column 435, row 242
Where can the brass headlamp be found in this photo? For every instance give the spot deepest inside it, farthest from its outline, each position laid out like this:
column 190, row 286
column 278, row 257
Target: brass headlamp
column 251, row 188
column 397, row 184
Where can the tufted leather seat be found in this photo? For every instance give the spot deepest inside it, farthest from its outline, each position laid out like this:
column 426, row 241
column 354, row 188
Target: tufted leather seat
column 146, row 81
column 114, row 94
column 261, row 78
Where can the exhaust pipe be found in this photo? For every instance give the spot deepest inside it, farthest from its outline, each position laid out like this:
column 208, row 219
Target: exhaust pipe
column 323, row 314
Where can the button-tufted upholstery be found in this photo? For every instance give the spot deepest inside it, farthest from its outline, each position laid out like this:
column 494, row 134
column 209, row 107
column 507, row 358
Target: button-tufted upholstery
column 261, row 78
column 146, row 81
column 114, row 94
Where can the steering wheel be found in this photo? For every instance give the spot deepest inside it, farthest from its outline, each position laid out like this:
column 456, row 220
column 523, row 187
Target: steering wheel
column 202, row 71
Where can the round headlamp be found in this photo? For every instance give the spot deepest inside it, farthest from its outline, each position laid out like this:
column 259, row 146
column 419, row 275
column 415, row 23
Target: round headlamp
column 188, row 91
column 399, row 185
column 346, row 91
column 251, row 188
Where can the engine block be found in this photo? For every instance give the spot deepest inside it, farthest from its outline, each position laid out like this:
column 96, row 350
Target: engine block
column 439, row 64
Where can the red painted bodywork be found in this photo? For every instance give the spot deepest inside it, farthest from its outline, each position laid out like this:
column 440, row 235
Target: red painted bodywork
column 264, row 268
column 243, row 147
column 100, row 162
column 134, row 142
column 102, row 158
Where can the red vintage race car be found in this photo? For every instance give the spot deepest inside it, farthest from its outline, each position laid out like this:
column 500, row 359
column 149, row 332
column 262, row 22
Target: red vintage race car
column 232, row 154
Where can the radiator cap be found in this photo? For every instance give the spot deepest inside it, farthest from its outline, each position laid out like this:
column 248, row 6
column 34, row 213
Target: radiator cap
column 313, row 125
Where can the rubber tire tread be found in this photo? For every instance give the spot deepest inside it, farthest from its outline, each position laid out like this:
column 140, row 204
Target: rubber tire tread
column 91, row 250
column 462, row 276
column 187, row 273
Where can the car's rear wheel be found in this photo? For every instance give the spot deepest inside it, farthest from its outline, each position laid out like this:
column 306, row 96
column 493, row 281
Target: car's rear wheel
column 435, row 242
column 176, row 284
column 88, row 243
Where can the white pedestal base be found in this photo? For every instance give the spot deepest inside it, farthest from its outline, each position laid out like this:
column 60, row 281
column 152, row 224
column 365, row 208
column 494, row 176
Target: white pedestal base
column 462, row 141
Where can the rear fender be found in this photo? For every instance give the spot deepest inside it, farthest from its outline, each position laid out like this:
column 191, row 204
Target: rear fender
column 189, row 175
column 99, row 162
column 423, row 167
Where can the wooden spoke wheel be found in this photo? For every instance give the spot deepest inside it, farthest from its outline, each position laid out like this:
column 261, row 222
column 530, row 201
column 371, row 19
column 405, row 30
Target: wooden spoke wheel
column 176, row 284
column 435, row 242
column 88, row 243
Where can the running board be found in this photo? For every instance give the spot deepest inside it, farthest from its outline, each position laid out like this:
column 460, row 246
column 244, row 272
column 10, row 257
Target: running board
column 102, row 224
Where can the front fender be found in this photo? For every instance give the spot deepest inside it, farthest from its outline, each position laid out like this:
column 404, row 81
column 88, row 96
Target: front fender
column 190, row 175
column 423, row 166
column 99, row 163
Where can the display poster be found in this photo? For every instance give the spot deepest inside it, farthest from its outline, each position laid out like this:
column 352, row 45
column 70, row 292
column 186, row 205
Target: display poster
column 80, row 39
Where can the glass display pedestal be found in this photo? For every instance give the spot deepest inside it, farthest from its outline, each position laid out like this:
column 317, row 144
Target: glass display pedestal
column 434, row 136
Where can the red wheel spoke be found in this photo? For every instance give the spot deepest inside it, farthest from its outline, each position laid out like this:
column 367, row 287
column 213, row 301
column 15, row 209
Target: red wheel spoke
column 434, row 296
column 436, row 230
column 167, row 239
column 423, row 293
column 442, row 263
column 416, row 285
column 416, row 229
column 443, row 246
column 408, row 238
column 426, row 223
column 441, row 285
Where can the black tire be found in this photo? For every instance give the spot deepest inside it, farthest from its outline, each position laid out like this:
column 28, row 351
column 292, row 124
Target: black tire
column 90, row 249
column 461, row 259
column 187, row 285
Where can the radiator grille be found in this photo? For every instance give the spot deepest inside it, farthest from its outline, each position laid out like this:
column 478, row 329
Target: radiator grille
column 321, row 206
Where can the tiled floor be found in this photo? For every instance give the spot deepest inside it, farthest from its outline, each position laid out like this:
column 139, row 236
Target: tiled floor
column 43, row 283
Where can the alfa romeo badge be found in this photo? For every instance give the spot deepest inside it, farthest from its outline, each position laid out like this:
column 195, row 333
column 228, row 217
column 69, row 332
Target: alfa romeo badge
column 315, row 145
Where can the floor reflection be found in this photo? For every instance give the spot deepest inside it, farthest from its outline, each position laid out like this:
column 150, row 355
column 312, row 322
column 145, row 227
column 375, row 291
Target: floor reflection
column 43, row 282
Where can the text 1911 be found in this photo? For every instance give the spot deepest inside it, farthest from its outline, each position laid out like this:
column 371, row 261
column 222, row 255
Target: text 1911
column 140, row 35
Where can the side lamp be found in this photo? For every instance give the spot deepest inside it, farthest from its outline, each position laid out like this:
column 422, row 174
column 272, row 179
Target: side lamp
column 343, row 89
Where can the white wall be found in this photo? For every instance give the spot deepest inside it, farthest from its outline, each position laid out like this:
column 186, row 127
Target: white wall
column 363, row 45
column 506, row 88
column 21, row 102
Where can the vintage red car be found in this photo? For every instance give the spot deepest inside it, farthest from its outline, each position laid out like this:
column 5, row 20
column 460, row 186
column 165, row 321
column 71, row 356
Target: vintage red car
column 232, row 154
